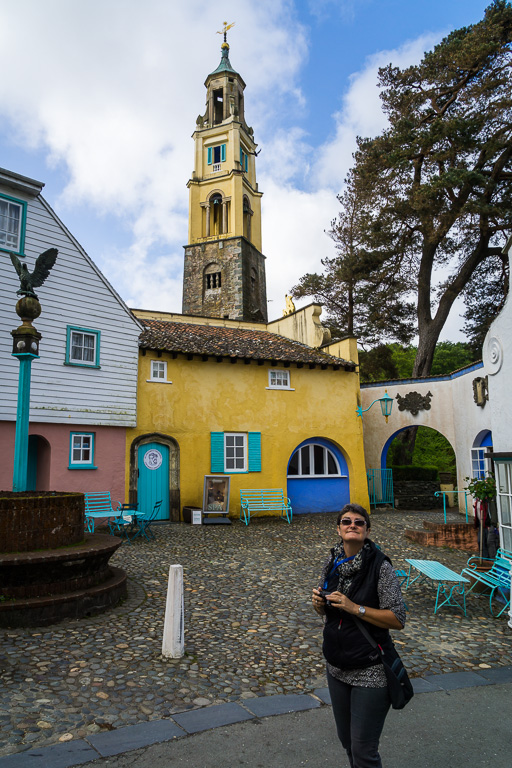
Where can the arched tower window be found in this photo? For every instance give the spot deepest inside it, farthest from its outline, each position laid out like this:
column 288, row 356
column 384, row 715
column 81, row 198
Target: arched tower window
column 216, row 215
column 247, row 211
column 212, row 277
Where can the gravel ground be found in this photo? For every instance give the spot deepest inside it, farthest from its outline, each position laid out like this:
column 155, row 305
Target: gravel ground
column 249, row 630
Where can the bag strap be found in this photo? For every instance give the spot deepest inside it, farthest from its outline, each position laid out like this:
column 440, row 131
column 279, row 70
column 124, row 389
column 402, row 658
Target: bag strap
column 366, row 634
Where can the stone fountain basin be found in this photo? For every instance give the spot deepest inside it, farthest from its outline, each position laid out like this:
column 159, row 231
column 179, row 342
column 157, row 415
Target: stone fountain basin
column 45, row 586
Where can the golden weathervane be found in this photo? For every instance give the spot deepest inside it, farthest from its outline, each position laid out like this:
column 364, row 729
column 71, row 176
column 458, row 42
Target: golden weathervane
column 225, row 29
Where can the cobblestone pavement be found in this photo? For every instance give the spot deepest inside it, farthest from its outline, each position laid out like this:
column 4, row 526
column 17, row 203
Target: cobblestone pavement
column 249, row 630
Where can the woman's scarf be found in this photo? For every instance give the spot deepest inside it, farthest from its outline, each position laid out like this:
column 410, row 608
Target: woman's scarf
column 346, row 571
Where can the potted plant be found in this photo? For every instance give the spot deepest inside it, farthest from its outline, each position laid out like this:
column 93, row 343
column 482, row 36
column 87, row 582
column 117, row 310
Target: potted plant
column 483, row 491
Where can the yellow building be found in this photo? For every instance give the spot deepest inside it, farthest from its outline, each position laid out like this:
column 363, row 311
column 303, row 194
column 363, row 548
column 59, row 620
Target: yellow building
column 221, row 391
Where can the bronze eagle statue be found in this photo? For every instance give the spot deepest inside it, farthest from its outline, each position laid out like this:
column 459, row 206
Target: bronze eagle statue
column 28, row 280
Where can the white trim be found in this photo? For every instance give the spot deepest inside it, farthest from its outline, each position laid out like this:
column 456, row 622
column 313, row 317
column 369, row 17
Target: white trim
column 159, row 379
column 279, row 373
column 234, row 458
column 312, row 475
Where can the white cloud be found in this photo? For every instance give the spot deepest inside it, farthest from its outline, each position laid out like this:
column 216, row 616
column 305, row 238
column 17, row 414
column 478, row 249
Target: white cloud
column 361, row 113
column 110, row 90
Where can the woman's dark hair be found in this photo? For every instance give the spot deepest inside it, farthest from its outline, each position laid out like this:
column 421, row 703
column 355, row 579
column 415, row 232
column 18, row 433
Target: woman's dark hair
column 356, row 509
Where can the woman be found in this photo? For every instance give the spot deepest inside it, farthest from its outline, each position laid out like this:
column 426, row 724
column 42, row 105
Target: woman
column 358, row 581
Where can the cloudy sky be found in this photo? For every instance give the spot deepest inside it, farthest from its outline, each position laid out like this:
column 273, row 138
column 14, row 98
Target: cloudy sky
column 99, row 98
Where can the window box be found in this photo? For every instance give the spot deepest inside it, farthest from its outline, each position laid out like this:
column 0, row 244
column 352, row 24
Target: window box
column 82, row 347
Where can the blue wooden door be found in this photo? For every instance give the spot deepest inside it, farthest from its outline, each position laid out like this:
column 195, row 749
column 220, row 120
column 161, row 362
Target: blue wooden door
column 153, row 485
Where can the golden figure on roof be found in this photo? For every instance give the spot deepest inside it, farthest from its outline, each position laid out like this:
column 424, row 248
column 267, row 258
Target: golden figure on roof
column 225, row 29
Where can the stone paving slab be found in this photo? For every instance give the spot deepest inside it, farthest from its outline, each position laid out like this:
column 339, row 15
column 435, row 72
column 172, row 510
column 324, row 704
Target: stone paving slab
column 57, row 756
column 242, row 639
column 211, row 717
column 134, row 737
column 453, row 680
column 266, row 706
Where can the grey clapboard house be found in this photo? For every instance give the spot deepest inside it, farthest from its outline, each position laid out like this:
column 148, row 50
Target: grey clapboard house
column 84, row 385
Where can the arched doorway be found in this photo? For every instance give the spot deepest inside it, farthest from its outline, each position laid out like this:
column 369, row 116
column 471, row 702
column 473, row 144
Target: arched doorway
column 155, row 474
column 38, row 468
column 317, row 477
column 432, row 448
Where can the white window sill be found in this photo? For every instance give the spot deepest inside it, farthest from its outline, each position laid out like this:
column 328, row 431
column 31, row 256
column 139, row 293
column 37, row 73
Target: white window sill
column 157, row 381
column 289, row 389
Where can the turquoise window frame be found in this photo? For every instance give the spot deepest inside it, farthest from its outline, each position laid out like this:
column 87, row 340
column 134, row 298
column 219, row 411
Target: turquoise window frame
column 243, row 160
column 81, row 464
column 217, row 453
column 80, row 363
column 210, row 151
column 23, row 221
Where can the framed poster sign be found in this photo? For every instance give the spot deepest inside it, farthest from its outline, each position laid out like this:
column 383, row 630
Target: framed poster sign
column 216, row 494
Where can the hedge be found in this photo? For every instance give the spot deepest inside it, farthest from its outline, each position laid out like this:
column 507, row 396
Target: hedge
column 409, row 472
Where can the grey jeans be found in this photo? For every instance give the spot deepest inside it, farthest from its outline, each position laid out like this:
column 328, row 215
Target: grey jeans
column 359, row 714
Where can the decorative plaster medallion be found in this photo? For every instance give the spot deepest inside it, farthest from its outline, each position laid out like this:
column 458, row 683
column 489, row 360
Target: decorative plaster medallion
column 414, row 402
column 153, row 459
column 493, row 355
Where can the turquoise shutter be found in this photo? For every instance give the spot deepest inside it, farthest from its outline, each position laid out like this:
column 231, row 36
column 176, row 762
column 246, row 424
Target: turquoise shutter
column 246, row 158
column 217, row 451
column 241, row 159
column 223, row 153
column 209, row 155
column 254, row 440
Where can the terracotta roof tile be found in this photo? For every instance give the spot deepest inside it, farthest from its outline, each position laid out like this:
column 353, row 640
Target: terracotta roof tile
column 221, row 341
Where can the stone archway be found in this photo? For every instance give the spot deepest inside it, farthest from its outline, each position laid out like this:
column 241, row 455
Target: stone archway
column 174, row 470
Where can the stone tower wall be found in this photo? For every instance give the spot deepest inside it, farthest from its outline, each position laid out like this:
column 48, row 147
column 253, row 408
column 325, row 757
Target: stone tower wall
column 242, row 295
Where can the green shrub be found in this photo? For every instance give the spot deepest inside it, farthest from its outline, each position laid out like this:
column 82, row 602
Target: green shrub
column 411, row 472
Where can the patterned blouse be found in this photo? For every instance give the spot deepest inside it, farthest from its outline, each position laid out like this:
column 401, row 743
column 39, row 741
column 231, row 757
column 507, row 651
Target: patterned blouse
column 390, row 597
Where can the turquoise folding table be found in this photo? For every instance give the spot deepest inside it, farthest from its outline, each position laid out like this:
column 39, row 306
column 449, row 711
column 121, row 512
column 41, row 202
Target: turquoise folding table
column 450, row 585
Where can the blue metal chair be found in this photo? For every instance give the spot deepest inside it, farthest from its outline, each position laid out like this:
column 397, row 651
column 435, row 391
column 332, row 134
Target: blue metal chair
column 125, row 522
column 144, row 523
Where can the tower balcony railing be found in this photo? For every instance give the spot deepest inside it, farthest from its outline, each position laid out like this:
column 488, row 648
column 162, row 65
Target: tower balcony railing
column 217, row 167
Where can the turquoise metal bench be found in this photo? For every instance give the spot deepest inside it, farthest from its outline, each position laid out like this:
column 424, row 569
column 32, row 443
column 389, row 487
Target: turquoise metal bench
column 496, row 579
column 258, row 500
column 98, row 506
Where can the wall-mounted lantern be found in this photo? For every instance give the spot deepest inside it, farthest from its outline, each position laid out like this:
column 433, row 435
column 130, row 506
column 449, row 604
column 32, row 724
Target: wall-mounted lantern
column 386, row 404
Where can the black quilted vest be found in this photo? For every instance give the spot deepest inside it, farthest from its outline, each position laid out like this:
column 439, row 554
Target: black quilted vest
column 344, row 645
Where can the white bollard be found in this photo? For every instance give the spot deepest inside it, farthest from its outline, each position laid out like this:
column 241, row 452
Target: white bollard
column 173, row 644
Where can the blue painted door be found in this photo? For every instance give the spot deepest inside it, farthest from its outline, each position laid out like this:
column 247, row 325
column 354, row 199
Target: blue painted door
column 153, row 484
column 317, row 477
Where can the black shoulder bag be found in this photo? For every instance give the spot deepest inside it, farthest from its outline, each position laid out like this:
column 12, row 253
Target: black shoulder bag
column 399, row 686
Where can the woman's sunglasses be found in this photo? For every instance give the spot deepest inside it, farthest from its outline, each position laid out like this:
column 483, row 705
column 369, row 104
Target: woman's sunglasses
column 348, row 521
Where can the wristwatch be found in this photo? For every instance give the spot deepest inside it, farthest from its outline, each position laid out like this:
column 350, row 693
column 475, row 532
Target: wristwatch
column 362, row 610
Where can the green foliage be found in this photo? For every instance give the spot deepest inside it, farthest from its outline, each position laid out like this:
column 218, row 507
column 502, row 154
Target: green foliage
column 437, row 182
column 413, row 472
column 484, row 297
column 393, row 361
column 361, row 295
column 483, row 488
column 431, row 449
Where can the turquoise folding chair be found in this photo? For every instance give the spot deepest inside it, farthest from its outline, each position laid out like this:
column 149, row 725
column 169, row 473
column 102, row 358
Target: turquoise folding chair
column 125, row 522
column 144, row 523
